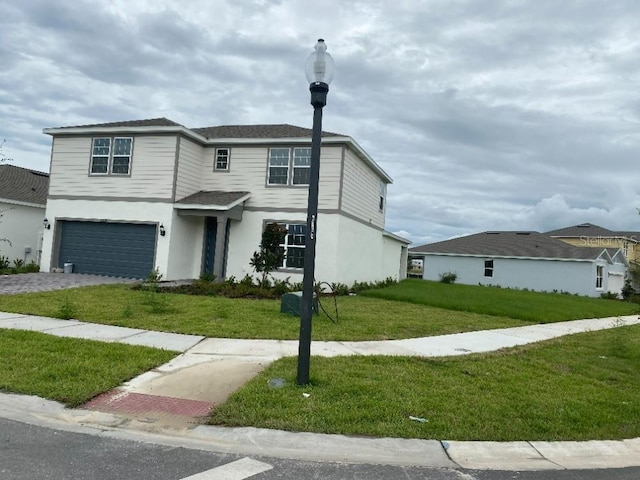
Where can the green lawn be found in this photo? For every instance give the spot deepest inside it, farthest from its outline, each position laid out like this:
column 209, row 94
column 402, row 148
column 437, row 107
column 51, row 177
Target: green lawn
column 580, row 387
column 68, row 370
column 361, row 317
column 525, row 305
column 574, row 388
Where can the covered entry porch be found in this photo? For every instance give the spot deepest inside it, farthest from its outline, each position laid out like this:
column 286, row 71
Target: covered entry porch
column 217, row 209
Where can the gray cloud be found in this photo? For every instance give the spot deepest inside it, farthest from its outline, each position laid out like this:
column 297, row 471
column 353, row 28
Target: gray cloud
column 488, row 114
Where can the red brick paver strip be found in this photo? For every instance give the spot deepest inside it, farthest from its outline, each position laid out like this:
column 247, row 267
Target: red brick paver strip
column 121, row 401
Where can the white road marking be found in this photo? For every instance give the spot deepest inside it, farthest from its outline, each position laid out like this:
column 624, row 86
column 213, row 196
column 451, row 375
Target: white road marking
column 238, row 470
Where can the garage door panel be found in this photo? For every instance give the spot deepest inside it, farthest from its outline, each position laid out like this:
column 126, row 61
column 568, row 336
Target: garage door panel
column 116, row 249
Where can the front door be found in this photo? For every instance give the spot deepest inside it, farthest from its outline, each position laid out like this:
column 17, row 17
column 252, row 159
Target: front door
column 211, row 226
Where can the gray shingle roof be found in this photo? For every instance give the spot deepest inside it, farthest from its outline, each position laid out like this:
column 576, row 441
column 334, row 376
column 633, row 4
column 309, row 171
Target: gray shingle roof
column 591, row 230
column 150, row 122
column 584, row 229
column 23, row 185
column 510, row 244
column 213, row 198
column 222, row 131
column 258, row 131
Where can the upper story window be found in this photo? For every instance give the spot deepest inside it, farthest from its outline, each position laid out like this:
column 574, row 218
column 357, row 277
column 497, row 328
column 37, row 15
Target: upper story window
column 289, row 166
column 383, row 195
column 488, row 268
column 111, row 155
column 222, row 159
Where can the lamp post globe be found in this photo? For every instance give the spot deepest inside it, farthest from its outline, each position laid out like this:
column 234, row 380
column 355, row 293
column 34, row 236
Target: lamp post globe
column 319, row 70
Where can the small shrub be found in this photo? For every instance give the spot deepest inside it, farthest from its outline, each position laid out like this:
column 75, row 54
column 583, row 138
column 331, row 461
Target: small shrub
column 152, row 282
column 280, row 287
column 18, row 263
column 207, row 277
column 609, row 296
column 32, row 267
column 627, row 290
column 66, row 309
column 4, row 262
column 448, row 277
column 339, row 288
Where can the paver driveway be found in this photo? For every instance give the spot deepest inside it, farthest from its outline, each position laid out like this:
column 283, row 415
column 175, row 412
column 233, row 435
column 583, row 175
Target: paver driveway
column 43, row 282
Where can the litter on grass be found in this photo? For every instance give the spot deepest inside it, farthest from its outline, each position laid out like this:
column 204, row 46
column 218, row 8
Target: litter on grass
column 277, row 383
column 306, row 395
column 418, row 419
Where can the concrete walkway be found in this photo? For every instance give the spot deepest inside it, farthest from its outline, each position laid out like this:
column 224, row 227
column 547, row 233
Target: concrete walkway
column 165, row 404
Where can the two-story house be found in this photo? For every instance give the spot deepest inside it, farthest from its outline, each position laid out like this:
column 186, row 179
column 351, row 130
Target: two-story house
column 590, row 235
column 128, row 197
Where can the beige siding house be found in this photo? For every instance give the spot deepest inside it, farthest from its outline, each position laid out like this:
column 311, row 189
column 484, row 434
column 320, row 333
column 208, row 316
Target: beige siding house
column 128, row 197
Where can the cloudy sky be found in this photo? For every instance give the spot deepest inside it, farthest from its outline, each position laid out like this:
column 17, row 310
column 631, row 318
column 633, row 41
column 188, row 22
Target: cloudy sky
column 488, row 114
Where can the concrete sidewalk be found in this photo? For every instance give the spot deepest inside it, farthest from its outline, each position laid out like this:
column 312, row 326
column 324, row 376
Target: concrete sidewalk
column 168, row 404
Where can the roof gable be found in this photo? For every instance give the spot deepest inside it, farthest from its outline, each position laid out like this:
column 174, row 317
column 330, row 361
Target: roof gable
column 23, row 185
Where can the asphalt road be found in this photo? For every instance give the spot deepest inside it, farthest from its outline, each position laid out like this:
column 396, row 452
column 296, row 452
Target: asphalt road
column 30, row 452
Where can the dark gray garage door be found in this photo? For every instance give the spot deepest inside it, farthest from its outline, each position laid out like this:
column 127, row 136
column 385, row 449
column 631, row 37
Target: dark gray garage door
column 116, row 249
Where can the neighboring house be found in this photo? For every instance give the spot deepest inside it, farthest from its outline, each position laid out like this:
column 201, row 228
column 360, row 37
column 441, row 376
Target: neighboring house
column 23, row 195
column 128, row 197
column 589, row 235
column 529, row 260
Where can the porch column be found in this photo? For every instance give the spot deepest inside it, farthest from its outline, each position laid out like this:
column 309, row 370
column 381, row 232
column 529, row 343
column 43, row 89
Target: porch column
column 218, row 259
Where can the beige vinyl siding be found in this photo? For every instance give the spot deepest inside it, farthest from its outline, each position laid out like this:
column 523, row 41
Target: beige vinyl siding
column 248, row 172
column 361, row 191
column 189, row 179
column 152, row 167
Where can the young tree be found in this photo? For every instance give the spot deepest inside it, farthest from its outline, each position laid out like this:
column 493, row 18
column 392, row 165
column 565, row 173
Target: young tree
column 271, row 254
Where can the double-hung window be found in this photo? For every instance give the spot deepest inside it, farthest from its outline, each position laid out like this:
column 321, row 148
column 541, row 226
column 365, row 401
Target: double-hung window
column 294, row 244
column 278, row 166
column 301, row 166
column 222, row 159
column 111, row 156
column 599, row 275
column 289, row 166
column 488, row 268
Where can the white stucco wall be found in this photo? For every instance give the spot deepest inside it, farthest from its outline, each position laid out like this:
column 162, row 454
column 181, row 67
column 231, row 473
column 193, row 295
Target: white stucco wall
column 23, row 226
column 346, row 250
column 80, row 210
column 542, row 275
column 186, row 237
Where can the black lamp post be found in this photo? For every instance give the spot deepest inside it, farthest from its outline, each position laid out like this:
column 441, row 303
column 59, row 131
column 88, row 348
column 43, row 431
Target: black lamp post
column 319, row 70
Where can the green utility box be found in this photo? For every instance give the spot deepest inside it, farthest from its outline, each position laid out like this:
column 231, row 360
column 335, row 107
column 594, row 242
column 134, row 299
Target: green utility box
column 292, row 303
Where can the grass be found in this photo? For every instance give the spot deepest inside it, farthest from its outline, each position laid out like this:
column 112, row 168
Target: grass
column 70, row 371
column 524, row 305
column 405, row 312
column 579, row 387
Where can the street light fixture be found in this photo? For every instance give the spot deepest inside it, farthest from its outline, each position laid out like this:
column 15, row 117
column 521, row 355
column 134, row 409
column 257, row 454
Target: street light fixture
column 319, row 71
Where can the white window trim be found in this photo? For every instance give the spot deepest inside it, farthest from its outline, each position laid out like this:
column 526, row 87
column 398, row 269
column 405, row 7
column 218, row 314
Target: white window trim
column 383, row 196
column 215, row 159
column 290, row 166
column 110, row 157
column 490, row 269
column 286, row 245
column 599, row 277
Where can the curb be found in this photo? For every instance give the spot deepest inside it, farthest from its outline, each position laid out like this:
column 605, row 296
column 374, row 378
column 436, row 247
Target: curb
column 507, row 456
